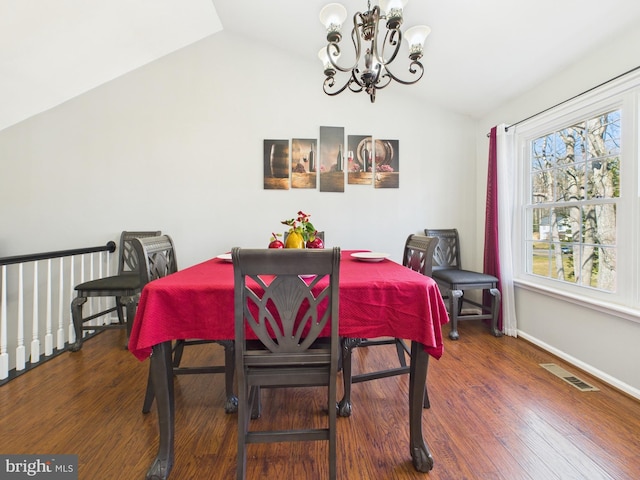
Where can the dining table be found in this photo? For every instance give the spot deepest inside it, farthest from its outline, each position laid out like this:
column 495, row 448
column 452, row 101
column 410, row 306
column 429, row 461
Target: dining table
column 378, row 297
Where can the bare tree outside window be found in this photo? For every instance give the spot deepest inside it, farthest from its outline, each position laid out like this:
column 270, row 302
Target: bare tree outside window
column 575, row 186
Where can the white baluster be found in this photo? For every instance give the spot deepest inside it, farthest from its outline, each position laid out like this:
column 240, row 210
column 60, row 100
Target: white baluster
column 72, row 274
column 60, row 332
column 35, row 342
column 4, row 356
column 20, row 349
column 104, row 319
column 48, row 337
column 91, row 301
column 82, row 280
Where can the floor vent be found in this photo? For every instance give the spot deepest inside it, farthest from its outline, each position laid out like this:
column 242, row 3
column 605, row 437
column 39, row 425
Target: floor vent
column 569, row 378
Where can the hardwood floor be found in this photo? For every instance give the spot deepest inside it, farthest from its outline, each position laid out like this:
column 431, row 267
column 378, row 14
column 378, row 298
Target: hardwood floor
column 495, row 414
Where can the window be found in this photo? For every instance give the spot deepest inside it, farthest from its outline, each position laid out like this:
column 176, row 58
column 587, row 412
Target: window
column 579, row 202
column 575, row 185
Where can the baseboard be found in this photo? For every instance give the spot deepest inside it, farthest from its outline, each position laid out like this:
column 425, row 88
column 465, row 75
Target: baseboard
column 585, row 367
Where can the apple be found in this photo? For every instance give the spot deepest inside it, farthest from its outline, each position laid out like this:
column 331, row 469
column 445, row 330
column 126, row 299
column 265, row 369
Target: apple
column 275, row 243
column 315, row 243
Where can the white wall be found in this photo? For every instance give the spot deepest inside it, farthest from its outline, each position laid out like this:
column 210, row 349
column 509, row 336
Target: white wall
column 177, row 145
column 604, row 344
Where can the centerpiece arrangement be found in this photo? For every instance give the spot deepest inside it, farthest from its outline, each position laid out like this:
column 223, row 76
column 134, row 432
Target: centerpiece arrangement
column 301, row 234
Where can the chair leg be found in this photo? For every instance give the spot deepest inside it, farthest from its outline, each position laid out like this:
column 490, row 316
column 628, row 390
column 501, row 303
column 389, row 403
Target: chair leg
column 178, row 349
column 455, row 298
column 333, row 414
column 76, row 314
column 231, row 403
column 255, row 402
column 244, row 408
column 495, row 309
column 120, row 310
column 400, row 349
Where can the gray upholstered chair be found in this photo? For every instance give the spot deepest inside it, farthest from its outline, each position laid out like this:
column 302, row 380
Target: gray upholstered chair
column 454, row 282
column 123, row 287
column 157, row 257
column 418, row 256
column 288, row 300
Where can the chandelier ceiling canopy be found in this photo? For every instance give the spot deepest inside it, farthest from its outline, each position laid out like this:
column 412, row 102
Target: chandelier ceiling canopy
column 371, row 70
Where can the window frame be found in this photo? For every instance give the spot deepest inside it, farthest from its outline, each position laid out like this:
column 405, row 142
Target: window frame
column 624, row 94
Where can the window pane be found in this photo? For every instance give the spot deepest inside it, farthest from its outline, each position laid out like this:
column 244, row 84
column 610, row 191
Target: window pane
column 603, row 178
column 542, row 153
column 570, row 183
column 542, row 187
column 573, row 139
column 604, row 134
column 541, row 259
column 598, row 268
column 565, row 225
column 540, row 225
column 599, row 224
column 569, row 145
column 612, row 133
column 552, row 260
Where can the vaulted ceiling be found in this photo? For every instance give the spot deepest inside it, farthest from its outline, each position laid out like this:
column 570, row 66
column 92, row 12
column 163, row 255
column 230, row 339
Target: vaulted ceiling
column 479, row 54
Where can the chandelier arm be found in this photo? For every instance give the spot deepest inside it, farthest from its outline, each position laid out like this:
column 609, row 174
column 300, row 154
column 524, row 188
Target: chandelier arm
column 357, row 89
column 389, row 39
column 329, row 82
column 355, row 73
column 384, row 81
column 374, row 40
column 415, row 67
column 336, row 52
column 355, row 39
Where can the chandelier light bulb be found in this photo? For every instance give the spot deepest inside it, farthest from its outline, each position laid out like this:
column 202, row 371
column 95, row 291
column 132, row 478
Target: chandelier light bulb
column 416, row 36
column 386, row 5
column 392, row 10
column 332, row 16
column 329, row 70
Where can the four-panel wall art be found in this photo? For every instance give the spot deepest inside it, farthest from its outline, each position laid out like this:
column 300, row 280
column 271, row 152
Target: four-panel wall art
column 326, row 163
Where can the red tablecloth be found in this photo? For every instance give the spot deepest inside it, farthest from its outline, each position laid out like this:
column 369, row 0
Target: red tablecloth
column 376, row 299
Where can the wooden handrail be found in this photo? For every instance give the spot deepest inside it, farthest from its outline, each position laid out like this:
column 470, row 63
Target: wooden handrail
column 34, row 257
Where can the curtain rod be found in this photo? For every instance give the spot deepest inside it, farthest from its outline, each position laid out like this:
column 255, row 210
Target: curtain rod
column 506, row 129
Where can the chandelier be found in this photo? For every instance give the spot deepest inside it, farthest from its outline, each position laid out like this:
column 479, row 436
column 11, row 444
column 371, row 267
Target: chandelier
column 374, row 72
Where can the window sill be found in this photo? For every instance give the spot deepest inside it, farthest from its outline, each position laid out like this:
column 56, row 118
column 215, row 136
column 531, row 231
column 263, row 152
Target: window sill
column 628, row 313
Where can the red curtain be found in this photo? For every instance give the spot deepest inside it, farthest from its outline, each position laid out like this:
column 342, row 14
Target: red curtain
column 491, row 249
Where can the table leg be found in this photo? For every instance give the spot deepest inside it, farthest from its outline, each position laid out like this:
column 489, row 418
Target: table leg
column 347, row 346
column 420, row 454
column 231, row 403
column 162, row 378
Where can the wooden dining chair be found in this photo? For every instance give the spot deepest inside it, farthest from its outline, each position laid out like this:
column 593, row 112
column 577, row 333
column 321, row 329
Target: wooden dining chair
column 123, row 288
column 287, row 300
column 158, row 259
column 454, row 281
column 418, row 256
